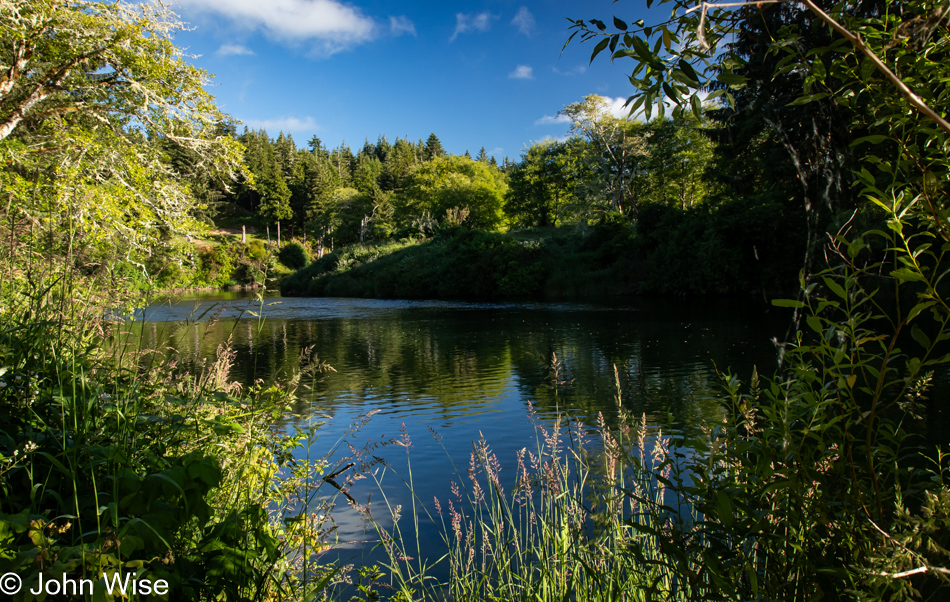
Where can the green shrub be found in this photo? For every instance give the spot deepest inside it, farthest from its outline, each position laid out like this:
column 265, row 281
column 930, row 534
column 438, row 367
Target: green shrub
column 216, row 265
column 256, row 249
column 294, row 255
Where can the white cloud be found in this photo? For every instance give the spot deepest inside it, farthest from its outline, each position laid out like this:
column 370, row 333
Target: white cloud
column 331, row 25
column 524, row 20
column 615, row 106
column 284, row 124
column 468, row 22
column 549, row 119
column 400, row 25
column 521, row 72
column 234, row 49
column 579, row 70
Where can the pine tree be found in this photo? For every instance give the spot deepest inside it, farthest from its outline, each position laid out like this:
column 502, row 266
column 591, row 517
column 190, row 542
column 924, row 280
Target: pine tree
column 434, row 148
column 316, row 146
column 383, row 148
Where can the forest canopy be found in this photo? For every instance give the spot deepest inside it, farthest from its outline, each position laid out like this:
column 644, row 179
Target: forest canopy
column 96, row 102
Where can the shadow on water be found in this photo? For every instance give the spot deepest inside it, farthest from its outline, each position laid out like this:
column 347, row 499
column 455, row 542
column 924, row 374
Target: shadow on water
column 471, row 369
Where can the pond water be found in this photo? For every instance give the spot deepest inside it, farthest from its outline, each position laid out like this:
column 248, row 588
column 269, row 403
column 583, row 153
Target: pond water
column 466, row 370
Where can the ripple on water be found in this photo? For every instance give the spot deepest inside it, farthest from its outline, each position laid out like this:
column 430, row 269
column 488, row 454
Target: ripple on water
column 470, row 370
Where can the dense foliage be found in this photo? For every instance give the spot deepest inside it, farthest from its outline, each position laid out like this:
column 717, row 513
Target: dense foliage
column 469, row 264
column 115, row 460
column 821, row 484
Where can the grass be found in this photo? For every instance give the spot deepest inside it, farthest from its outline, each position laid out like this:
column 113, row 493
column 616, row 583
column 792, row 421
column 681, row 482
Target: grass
column 118, row 459
column 584, row 519
column 462, row 263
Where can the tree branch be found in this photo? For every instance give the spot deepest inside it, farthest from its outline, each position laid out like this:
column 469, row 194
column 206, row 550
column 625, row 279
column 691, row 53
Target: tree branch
column 898, row 83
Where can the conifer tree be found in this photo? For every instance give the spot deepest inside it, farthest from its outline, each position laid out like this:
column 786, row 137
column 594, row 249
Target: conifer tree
column 434, row 148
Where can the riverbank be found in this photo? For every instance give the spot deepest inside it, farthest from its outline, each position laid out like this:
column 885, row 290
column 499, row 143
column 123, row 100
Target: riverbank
column 608, row 260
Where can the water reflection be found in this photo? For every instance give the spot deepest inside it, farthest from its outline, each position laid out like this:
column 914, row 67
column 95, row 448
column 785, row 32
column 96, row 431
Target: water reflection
column 448, row 361
column 471, row 369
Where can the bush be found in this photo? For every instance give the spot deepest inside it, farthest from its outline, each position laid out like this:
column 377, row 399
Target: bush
column 256, row 249
column 124, row 460
column 294, row 256
column 216, row 265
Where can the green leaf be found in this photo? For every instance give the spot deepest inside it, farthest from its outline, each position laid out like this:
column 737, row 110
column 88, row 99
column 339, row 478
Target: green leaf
column 913, row 365
column 599, row 48
column 642, row 50
column 788, row 303
column 915, row 311
column 696, row 105
column 732, row 79
column 804, row 100
column 724, row 509
column 689, row 72
column 906, row 275
column 835, row 288
column 620, row 24
column 919, row 336
column 875, row 139
column 319, row 586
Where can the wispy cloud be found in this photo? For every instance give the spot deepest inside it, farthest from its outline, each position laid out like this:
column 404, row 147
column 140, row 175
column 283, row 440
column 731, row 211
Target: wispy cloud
column 524, row 21
column 283, row 124
column 552, row 119
column 330, row 25
column 400, row 25
column 234, row 50
column 579, row 70
column 522, row 72
column 472, row 22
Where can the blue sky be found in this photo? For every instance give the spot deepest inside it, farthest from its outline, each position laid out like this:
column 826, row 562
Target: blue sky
column 476, row 74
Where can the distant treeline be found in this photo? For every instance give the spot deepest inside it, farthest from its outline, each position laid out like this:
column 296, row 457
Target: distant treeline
column 708, row 207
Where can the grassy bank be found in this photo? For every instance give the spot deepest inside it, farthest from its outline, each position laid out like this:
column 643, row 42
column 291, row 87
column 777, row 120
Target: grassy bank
column 668, row 252
column 463, row 263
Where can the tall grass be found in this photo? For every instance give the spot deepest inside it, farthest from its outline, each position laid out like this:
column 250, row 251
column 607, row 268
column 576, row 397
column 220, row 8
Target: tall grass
column 584, row 518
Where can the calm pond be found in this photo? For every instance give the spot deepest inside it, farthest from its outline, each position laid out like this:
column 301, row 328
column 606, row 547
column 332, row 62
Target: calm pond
column 465, row 370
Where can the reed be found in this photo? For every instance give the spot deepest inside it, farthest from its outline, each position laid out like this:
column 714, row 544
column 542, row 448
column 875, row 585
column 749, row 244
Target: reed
column 584, row 518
